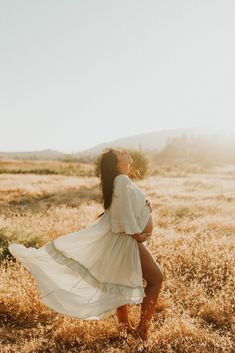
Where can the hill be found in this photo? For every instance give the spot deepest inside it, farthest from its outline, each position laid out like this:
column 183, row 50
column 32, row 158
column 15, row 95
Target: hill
column 151, row 142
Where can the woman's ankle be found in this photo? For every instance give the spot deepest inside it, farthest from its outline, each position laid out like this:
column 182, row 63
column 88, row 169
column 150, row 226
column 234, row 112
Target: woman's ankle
column 144, row 327
column 127, row 328
column 125, row 323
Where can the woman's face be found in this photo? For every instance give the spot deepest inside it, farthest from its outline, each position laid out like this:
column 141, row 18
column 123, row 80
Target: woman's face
column 124, row 158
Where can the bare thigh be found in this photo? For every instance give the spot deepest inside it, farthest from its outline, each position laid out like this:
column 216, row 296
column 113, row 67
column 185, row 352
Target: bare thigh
column 151, row 270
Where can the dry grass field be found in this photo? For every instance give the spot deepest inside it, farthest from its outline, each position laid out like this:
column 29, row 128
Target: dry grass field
column 14, row 166
column 193, row 241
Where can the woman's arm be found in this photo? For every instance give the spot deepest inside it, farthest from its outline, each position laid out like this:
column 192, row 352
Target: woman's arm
column 141, row 237
column 123, row 218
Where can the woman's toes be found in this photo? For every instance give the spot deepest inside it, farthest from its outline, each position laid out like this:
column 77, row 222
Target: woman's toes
column 140, row 332
column 127, row 327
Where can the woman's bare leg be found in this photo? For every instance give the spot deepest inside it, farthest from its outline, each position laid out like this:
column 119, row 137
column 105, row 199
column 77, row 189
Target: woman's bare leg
column 154, row 277
column 122, row 314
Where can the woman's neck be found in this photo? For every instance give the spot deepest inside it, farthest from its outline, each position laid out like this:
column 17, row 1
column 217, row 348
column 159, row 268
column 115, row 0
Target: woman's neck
column 124, row 170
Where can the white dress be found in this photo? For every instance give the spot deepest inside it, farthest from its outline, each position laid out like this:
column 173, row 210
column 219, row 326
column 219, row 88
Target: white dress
column 89, row 273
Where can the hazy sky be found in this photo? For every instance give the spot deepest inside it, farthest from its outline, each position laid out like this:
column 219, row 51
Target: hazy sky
column 77, row 73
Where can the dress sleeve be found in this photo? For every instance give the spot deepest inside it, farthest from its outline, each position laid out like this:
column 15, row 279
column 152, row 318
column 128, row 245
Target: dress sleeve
column 123, row 218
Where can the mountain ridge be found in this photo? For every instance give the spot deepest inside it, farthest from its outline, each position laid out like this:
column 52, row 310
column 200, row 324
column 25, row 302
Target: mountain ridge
column 148, row 141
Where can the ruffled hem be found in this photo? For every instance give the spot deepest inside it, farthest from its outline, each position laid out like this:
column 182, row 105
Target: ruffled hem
column 110, row 308
column 80, row 294
column 135, row 293
column 90, row 316
column 86, row 274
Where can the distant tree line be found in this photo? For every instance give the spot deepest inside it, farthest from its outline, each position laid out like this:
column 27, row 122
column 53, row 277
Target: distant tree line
column 200, row 149
column 180, row 154
column 183, row 150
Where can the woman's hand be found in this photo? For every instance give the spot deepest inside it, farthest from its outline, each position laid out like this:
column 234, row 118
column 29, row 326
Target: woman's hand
column 148, row 203
column 141, row 237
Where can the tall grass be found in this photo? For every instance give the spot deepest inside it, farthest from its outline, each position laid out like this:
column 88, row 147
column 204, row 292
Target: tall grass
column 193, row 241
column 45, row 167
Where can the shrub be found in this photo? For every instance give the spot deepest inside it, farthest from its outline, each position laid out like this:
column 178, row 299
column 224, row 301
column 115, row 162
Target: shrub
column 138, row 169
column 6, row 238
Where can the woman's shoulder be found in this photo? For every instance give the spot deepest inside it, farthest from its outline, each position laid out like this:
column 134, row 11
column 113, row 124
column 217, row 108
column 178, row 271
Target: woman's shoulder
column 121, row 178
column 121, row 182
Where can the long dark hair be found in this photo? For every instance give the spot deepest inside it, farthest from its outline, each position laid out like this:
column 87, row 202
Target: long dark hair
column 108, row 171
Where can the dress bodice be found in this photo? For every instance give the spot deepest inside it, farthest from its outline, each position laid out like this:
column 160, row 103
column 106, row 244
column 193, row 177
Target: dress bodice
column 128, row 211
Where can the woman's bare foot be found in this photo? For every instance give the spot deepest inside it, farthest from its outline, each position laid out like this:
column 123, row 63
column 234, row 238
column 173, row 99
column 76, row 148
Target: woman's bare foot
column 127, row 327
column 123, row 319
column 142, row 331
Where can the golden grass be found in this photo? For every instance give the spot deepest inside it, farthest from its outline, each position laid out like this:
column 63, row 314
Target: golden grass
column 193, row 241
column 14, row 166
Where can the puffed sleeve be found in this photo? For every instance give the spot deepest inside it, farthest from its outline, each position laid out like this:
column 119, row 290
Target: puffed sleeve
column 122, row 213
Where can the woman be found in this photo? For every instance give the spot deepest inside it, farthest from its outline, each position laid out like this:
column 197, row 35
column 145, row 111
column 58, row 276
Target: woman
column 150, row 269
column 95, row 272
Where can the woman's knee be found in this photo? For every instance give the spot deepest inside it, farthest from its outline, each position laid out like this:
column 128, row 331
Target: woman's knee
column 158, row 277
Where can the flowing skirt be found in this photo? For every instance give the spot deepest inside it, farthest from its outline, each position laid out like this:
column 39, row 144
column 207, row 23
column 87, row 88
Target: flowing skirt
column 86, row 274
